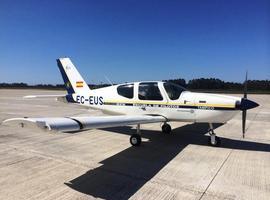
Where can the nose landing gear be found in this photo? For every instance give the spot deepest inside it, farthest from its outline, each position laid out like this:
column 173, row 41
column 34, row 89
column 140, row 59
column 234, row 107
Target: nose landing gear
column 213, row 140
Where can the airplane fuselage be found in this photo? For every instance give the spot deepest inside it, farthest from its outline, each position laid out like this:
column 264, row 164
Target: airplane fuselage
column 186, row 106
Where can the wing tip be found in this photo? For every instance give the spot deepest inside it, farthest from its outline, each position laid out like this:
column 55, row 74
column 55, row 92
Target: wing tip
column 25, row 121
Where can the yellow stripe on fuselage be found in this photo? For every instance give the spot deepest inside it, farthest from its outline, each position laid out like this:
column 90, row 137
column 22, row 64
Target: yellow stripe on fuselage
column 173, row 103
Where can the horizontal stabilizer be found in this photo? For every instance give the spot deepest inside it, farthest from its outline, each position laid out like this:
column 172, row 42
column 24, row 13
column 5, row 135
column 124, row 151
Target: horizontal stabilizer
column 44, row 96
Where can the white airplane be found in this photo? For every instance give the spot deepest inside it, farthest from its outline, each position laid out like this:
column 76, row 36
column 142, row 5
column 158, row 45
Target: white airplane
column 138, row 103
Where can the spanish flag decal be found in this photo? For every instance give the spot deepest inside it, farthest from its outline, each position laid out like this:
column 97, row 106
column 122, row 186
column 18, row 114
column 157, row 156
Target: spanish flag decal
column 79, row 84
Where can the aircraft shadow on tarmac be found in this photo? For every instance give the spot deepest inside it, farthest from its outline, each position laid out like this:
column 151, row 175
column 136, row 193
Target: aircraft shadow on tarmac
column 123, row 174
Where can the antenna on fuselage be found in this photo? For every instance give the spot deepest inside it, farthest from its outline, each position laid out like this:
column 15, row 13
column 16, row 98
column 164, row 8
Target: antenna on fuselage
column 108, row 79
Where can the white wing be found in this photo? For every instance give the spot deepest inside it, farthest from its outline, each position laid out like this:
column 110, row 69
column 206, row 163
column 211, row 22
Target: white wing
column 83, row 123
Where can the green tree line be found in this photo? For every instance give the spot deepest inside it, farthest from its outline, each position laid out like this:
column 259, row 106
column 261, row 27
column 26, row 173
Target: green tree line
column 217, row 84
column 194, row 84
column 44, row 86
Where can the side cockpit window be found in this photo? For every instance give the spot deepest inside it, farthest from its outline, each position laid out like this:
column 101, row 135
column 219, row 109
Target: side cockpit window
column 149, row 91
column 126, row 90
column 174, row 91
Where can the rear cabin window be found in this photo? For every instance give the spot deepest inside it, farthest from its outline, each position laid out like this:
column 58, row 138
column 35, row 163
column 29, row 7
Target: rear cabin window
column 149, row 91
column 126, row 90
column 174, row 91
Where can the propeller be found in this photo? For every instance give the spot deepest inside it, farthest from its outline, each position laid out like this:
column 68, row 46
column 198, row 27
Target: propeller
column 245, row 105
column 244, row 112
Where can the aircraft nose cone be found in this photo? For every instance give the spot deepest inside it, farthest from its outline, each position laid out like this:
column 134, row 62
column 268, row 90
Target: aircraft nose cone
column 246, row 104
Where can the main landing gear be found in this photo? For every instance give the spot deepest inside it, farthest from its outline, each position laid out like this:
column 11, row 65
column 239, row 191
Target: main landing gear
column 166, row 128
column 213, row 140
column 136, row 139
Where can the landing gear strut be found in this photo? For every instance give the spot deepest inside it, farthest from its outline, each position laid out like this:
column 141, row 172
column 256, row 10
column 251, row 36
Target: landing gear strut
column 136, row 139
column 166, row 128
column 213, row 140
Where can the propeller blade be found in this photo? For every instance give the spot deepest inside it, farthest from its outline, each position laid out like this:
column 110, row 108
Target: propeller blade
column 245, row 86
column 244, row 112
column 244, row 115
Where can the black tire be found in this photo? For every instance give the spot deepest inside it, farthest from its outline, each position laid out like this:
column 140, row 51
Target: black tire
column 217, row 144
column 166, row 128
column 135, row 140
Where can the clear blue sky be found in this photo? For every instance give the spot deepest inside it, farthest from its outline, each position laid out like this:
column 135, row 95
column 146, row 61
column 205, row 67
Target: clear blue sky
column 133, row 40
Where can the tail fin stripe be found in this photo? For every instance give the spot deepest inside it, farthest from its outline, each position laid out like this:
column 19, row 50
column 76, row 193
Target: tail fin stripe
column 67, row 83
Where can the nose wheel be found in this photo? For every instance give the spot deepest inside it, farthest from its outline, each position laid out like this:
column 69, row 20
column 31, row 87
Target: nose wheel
column 213, row 140
column 166, row 128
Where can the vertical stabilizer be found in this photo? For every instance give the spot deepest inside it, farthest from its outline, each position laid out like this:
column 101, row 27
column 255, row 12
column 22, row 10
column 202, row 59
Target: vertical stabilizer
column 73, row 81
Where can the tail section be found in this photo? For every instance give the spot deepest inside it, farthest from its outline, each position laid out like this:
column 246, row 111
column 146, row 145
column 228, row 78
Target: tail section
column 74, row 82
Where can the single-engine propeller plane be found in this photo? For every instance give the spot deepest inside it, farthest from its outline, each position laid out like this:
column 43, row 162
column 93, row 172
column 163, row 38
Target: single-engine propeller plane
column 139, row 103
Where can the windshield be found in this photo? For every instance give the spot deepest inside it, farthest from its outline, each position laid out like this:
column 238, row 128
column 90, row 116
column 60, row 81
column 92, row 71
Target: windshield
column 174, row 91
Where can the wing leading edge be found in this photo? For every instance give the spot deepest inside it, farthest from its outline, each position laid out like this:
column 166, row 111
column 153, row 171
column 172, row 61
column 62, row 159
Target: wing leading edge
column 66, row 124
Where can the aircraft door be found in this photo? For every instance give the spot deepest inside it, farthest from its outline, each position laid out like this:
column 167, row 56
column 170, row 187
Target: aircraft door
column 150, row 97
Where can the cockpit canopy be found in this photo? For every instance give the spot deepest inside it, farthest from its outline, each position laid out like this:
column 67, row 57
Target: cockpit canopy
column 151, row 90
column 174, row 91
